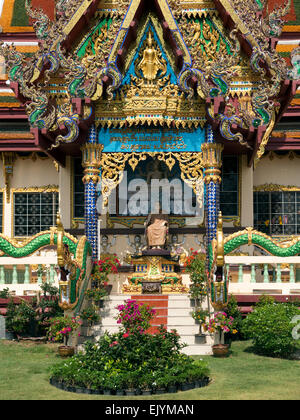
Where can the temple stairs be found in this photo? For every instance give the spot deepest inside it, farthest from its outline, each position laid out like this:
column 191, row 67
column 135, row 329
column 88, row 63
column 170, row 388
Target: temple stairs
column 172, row 311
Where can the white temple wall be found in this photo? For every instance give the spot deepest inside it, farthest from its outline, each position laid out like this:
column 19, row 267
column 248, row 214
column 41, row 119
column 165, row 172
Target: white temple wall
column 279, row 170
column 65, row 196
column 27, row 173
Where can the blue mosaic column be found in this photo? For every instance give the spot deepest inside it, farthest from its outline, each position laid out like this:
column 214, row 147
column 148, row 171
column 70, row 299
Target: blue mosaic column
column 91, row 155
column 212, row 162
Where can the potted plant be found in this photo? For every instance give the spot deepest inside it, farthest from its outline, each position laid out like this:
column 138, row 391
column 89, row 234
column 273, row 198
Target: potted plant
column 97, row 294
column 195, row 266
column 218, row 325
column 102, row 268
column 200, row 316
column 146, row 383
column 161, row 384
column 60, row 330
column 90, row 315
column 131, row 381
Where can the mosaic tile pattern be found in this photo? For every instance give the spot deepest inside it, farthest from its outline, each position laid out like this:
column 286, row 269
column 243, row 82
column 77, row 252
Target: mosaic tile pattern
column 212, row 199
column 91, row 217
column 90, row 212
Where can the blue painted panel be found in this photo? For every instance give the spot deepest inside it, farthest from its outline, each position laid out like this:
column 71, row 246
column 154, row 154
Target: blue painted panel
column 145, row 139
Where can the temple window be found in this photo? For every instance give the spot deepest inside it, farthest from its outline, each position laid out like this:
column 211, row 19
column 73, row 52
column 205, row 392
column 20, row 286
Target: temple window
column 277, row 212
column 229, row 192
column 1, row 211
column 78, row 189
column 147, row 181
column 34, row 212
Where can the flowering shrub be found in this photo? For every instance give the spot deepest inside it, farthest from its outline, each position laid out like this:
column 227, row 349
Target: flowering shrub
column 220, row 323
column 200, row 315
column 90, row 314
column 135, row 316
column 108, row 264
column 99, row 277
column 195, row 266
column 62, row 327
column 131, row 359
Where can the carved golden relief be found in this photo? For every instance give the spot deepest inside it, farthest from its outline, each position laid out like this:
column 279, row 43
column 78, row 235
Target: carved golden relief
column 150, row 98
column 113, row 165
column 275, row 187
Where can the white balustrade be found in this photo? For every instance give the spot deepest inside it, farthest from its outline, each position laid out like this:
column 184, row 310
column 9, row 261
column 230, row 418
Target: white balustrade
column 25, row 275
column 264, row 274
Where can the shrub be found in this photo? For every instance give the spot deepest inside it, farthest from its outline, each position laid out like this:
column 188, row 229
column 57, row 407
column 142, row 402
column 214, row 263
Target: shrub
column 90, row 314
column 195, row 266
column 135, row 316
column 220, row 323
column 32, row 318
column 62, row 327
column 265, row 300
column 19, row 318
column 5, row 294
column 131, row 358
column 270, row 328
column 232, row 310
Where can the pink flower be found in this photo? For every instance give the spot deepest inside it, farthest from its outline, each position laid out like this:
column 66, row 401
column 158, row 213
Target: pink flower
column 125, row 335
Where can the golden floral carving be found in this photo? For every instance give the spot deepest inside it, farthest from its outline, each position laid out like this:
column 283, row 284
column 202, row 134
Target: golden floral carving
column 113, row 165
column 275, row 187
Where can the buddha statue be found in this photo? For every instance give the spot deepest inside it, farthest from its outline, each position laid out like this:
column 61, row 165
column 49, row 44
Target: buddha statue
column 156, row 229
column 151, row 64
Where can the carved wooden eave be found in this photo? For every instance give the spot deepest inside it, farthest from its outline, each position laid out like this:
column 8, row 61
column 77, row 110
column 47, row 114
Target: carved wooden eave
column 250, row 44
column 64, row 131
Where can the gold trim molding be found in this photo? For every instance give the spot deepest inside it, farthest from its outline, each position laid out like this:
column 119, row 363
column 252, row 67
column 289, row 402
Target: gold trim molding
column 275, row 187
column 35, row 189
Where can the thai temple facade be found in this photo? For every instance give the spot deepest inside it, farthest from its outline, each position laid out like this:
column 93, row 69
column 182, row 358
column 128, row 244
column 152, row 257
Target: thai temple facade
column 114, row 110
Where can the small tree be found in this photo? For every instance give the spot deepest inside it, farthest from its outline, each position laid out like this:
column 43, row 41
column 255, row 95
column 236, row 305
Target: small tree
column 195, row 266
column 270, row 328
column 232, row 310
column 135, row 316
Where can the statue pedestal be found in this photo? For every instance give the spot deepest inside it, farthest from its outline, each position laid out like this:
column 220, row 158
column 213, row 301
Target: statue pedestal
column 155, row 273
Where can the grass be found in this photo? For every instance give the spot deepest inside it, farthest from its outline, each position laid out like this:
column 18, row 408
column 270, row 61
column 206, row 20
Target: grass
column 242, row 376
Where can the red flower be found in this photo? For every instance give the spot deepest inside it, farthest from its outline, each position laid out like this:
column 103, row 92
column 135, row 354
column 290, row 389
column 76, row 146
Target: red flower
column 125, row 335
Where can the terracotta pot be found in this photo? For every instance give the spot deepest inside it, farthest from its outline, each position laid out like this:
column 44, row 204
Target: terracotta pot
column 220, row 350
column 66, row 351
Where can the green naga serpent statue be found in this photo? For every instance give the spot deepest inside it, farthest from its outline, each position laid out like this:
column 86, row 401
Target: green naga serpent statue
column 222, row 246
column 73, row 257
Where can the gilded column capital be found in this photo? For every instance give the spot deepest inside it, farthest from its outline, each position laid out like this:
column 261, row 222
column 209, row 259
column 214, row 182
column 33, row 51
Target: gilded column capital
column 91, row 158
column 212, row 175
column 212, row 162
column 212, row 155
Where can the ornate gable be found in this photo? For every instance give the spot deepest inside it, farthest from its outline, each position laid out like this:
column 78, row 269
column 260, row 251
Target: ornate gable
column 211, row 60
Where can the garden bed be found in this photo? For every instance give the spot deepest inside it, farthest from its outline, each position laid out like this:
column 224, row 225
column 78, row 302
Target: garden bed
column 131, row 361
column 186, row 386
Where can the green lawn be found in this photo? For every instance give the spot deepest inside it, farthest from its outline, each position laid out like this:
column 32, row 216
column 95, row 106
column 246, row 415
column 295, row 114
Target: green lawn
column 243, row 375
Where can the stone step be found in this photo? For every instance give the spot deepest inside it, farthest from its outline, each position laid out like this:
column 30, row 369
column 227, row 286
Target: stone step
column 173, row 311
column 197, row 350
